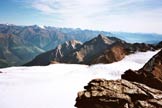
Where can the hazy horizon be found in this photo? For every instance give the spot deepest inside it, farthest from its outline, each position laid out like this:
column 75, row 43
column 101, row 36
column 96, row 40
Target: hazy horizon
column 144, row 16
column 43, row 27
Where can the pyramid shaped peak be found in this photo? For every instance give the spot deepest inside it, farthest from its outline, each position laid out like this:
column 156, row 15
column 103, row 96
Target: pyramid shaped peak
column 101, row 36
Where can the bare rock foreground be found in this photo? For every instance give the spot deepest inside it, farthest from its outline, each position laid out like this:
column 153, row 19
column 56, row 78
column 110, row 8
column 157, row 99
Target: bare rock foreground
column 137, row 89
column 101, row 93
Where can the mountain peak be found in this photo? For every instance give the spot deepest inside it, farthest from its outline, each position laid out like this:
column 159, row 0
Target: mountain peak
column 72, row 43
column 103, row 39
column 100, row 36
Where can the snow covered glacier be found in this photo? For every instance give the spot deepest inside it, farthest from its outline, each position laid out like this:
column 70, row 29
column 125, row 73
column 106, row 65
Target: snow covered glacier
column 56, row 85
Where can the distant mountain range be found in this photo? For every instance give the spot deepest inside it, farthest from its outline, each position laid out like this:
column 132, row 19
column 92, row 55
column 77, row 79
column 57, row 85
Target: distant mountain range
column 100, row 49
column 20, row 44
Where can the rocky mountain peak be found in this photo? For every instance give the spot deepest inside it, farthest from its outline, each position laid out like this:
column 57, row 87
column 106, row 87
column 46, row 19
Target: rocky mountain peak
column 102, row 38
column 100, row 49
column 73, row 43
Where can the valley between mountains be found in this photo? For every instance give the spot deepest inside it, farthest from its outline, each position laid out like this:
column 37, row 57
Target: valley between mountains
column 19, row 45
column 100, row 49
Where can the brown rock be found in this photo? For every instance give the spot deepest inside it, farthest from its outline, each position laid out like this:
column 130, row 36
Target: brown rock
column 116, row 53
column 101, row 93
column 100, row 49
column 150, row 74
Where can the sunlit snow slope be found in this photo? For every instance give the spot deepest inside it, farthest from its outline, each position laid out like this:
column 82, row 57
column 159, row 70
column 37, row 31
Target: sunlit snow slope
column 56, row 86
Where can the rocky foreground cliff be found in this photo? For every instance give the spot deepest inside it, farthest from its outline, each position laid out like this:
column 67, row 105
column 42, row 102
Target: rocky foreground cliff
column 141, row 89
column 101, row 93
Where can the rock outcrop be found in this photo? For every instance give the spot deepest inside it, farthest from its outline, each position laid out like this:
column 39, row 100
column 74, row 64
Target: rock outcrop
column 150, row 74
column 101, row 93
column 141, row 89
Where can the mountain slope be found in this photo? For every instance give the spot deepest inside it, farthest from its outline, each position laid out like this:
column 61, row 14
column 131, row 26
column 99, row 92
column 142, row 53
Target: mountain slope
column 55, row 55
column 98, row 50
column 14, row 51
column 150, row 74
column 45, row 39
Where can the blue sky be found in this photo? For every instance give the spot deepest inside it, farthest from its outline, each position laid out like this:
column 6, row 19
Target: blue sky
column 109, row 15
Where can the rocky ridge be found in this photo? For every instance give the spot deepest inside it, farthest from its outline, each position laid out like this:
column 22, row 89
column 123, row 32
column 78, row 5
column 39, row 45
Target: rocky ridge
column 141, row 89
column 57, row 55
column 150, row 74
column 100, row 49
column 34, row 40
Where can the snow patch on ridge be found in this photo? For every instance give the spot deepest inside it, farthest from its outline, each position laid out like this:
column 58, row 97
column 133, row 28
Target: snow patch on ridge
column 42, row 26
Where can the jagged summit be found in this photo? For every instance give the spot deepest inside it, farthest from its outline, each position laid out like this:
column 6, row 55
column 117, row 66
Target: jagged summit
column 43, row 40
column 56, row 55
column 101, row 39
column 73, row 43
column 100, row 49
column 100, row 36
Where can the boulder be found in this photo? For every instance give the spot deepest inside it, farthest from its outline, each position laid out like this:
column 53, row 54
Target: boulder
column 101, row 93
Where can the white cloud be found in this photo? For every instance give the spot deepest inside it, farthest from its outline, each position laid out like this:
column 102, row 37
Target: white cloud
column 115, row 15
column 56, row 86
column 44, row 8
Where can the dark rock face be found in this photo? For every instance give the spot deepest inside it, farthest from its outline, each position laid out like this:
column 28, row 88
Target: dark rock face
column 116, row 53
column 90, row 50
column 101, row 93
column 150, row 74
column 159, row 45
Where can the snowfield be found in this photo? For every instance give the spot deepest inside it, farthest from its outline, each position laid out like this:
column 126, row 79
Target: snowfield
column 56, row 86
